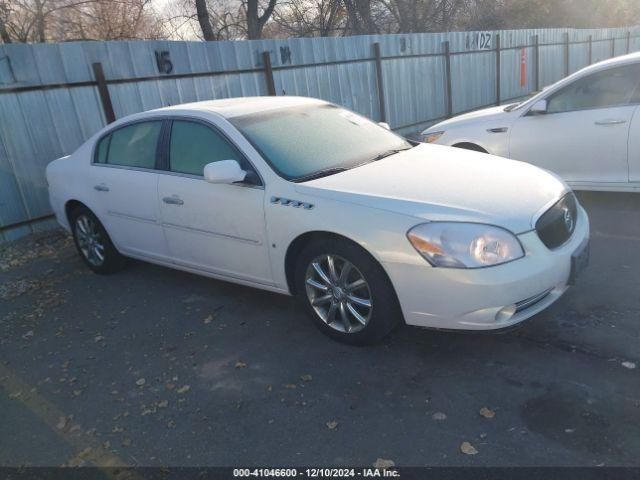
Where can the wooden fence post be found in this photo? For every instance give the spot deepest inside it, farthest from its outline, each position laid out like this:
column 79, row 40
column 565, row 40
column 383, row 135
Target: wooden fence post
column 103, row 90
column 447, row 73
column 536, row 48
column 498, row 52
column 381, row 102
column 268, row 74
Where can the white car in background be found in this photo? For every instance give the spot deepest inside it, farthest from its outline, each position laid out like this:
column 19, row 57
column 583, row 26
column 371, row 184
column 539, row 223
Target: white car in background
column 585, row 128
column 302, row 197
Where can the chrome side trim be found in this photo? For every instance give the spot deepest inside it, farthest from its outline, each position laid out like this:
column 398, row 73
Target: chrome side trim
column 131, row 217
column 210, row 233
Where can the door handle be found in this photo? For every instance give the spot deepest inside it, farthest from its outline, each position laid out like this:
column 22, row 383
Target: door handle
column 610, row 122
column 173, row 200
column 101, row 188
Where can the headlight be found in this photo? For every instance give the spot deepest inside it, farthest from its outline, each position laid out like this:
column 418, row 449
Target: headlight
column 430, row 137
column 464, row 245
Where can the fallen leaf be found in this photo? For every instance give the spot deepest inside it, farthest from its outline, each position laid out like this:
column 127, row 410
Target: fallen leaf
column 290, row 386
column 62, row 423
column 126, row 442
column 183, row 389
column 140, row 382
column 487, row 413
column 117, row 430
column 332, row 425
column 629, row 365
column 439, row 416
column 468, row 449
column 171, row 424
column 163, row 404
column 240, row 364
column 77, row 393
column 383, row 463
column 208, row 319
column 13, row 396
column 169, row 386
column 98, row 338
column 29, row 334
column 306, row 378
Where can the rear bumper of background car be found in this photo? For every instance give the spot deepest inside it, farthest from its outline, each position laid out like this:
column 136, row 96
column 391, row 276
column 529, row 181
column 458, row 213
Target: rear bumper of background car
column 487, row 298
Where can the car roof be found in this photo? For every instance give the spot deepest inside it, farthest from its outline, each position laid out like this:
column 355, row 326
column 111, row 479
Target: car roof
column 611, row 62
column 234, row 107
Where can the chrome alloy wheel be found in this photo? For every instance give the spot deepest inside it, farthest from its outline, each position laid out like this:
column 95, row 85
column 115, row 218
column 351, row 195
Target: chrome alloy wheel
column 90, row 241
column 339, row 293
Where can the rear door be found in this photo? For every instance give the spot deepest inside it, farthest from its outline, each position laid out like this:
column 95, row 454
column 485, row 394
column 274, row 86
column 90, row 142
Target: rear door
column 212, row 227
column 124, row 185
column 583, row 136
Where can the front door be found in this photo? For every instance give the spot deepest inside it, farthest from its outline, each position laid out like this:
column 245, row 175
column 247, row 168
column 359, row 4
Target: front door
column 212, row 227
column 583, row 136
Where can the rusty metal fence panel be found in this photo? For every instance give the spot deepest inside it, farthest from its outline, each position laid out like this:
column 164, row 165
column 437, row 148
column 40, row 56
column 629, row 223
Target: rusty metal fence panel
column 50, row 100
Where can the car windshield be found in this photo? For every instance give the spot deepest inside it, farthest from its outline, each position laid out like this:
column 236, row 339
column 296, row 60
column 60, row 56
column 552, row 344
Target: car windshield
column 310, row 141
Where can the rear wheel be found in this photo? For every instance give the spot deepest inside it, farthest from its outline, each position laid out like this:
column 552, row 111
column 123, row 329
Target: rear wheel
column 93, row 242
column 346, row 292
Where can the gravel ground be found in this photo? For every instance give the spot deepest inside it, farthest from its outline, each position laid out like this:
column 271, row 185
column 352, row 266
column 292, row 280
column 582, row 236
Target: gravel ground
column 157, row 367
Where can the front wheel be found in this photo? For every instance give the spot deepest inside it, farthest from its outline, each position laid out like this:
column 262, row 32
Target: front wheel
column 346, row 292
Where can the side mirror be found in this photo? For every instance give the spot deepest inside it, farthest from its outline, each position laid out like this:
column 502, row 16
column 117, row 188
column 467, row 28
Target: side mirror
column 539, row 108
column 384, row 125
column 224, row 171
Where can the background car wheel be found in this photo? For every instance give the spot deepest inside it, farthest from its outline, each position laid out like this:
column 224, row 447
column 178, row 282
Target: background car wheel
column 346, row 292
column 93, row 242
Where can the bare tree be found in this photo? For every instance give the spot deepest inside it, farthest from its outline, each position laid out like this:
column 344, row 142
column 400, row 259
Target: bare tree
column 204, row 20
column 303, row 18
column 255, row 20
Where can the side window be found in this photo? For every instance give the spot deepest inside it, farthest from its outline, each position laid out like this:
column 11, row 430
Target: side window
column 609, row 88
column 103, row 148
column 131, row 146
column 193, row 145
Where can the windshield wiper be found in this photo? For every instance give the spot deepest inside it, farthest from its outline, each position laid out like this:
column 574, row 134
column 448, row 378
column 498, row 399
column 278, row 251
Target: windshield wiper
column 319, row 174
column 388, row 153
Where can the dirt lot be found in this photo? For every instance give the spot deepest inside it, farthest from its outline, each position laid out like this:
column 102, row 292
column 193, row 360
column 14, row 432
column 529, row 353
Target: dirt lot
column 158, row 367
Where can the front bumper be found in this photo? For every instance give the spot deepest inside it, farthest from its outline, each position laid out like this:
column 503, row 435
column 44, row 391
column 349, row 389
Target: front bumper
column 487, row 298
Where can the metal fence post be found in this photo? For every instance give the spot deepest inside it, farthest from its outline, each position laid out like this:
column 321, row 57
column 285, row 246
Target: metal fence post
column 536, row 47
column 381, row 102
column 447, row 74
column 566, row 54
column 590, row 50
column 628, row 42
column 613, row 47
column 103, row 90
column 498, row 51
column 268, row 74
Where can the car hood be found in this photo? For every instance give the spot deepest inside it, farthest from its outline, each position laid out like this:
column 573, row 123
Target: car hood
column 434, row 182
column 487, row 114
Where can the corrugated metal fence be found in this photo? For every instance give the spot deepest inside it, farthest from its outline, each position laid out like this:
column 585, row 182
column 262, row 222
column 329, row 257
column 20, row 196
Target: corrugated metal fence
column 50, row 101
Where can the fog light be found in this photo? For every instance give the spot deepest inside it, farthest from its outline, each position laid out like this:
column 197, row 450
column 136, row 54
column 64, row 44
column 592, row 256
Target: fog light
column 505, row 314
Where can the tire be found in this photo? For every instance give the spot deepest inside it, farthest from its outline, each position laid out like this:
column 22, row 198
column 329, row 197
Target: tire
column 328, row 298
column 93, row 243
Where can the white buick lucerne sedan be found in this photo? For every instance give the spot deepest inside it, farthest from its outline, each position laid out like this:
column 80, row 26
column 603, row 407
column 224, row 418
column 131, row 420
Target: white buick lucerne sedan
column 302, row 197
column 585, row 128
